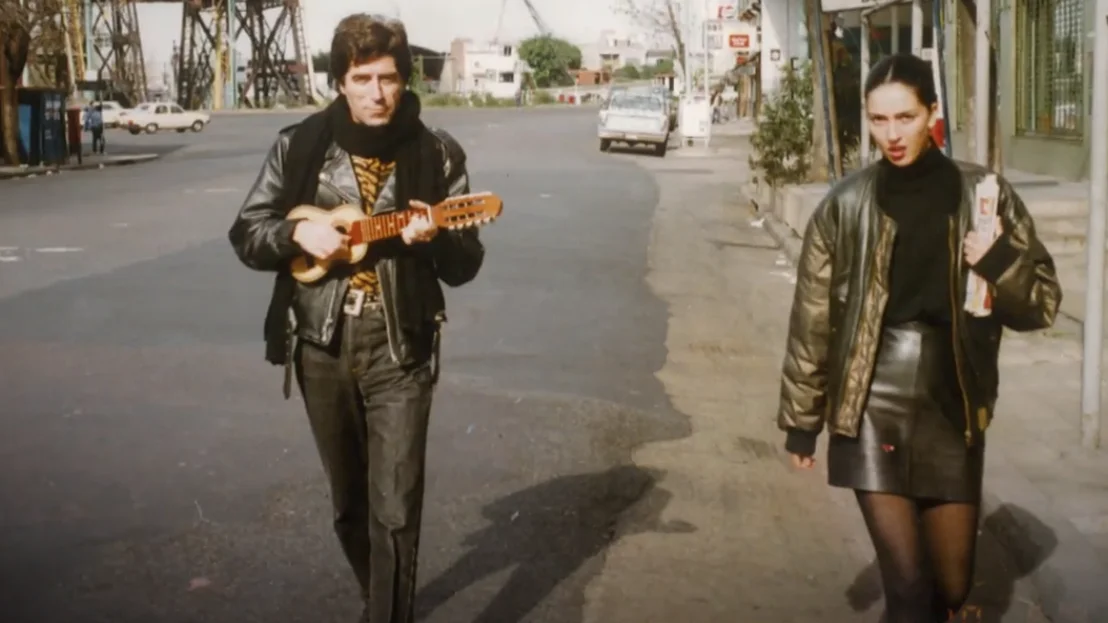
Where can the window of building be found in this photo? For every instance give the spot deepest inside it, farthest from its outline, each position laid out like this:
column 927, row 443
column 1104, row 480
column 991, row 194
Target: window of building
column 507, row 51
column 1050, row 84
column 507, row 77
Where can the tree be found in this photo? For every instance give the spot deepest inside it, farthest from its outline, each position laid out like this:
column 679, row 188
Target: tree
column 15, row 44
column 628, row 72
column 966, row 12
column 550, row 59
column 321, row 62
column 662, row 18
column 822, row 81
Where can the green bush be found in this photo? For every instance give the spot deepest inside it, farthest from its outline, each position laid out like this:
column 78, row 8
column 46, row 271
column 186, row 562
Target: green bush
column 444, row 100
column 544, row 97
column 783, row 137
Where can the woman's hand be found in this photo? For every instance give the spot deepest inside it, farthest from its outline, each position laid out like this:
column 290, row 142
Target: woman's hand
column 803, row 462
column 977, row 245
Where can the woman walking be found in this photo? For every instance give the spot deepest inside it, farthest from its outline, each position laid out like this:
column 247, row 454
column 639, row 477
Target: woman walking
column 881, row 353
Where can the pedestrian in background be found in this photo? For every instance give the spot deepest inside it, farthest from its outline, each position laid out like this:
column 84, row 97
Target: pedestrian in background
column 881, row 352
column 94, row 123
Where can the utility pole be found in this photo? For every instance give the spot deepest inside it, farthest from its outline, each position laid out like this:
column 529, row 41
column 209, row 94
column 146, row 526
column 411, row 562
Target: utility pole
column 981, row 81
column 1094, row 246
column 894, row 21
column 686, row 8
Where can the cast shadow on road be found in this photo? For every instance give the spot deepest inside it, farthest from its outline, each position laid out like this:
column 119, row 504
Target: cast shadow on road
column 547, row 532
column 1027, row 543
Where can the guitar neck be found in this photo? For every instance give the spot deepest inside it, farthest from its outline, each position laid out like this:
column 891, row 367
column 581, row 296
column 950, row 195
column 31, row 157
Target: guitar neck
column 374, row 228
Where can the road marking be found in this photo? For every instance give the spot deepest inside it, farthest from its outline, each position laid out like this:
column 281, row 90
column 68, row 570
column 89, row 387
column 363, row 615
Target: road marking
column 59, row 249
column 546, row 195
column 221, row 190
column 10, row 258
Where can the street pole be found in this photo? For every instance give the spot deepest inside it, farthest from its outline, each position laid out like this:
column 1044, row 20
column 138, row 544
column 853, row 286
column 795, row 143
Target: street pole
column 865, row 145
column 981, row 83
column 894, row 26
column 1094, row 245
column 686, row 7
column 917, row 27
column 707, row 71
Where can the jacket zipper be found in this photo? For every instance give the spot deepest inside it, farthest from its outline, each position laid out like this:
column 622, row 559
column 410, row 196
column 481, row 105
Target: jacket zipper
column 955, row 313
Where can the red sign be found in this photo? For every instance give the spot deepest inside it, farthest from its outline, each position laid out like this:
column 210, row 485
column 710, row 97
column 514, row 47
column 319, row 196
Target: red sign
column 739, row 41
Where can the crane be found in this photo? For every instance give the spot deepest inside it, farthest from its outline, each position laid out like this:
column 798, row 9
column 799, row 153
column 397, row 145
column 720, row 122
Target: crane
column 544, row 30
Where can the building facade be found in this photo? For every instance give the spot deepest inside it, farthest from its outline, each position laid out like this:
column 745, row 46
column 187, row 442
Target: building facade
column 1044, row 81
column 784, row 40
column 612, row 51
column 493, row 69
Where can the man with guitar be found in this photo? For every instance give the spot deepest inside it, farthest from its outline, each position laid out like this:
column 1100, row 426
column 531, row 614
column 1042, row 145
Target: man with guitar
column 363, row 338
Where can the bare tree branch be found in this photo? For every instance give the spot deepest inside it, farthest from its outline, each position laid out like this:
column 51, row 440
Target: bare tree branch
column 661, row 18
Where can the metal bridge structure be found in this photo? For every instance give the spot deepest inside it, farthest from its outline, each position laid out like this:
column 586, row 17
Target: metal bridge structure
column 210, row 69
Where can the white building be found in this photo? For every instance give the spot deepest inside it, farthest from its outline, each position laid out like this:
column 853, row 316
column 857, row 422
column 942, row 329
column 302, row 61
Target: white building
column 484, row 68
column 730, row 40
column 613, row 50
column 784, row 40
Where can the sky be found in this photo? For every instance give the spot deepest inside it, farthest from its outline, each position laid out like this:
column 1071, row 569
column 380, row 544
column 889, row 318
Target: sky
column 431, row 23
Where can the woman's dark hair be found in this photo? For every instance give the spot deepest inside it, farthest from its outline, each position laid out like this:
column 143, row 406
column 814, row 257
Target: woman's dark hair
column 362, row 37
column 911, row 71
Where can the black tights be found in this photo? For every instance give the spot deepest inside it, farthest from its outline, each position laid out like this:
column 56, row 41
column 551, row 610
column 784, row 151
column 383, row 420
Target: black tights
column 925, row 551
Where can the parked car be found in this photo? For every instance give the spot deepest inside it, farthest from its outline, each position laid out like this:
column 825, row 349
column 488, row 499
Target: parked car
column 635, row 117
column 152, row 117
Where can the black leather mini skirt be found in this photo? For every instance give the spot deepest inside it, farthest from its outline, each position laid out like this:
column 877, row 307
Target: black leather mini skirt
column 911, row 438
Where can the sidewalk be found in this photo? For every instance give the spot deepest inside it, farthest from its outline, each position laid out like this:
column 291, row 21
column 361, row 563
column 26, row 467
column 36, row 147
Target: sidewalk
column 1046, row 497
column 88, row 162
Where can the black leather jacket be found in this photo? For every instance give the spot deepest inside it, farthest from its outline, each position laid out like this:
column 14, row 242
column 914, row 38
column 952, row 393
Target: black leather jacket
column 413, row 300
column 841, row 292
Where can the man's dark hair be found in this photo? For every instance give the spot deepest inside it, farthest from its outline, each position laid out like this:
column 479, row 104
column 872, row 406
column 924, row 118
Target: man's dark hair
column 362, row 37
column 908, row 70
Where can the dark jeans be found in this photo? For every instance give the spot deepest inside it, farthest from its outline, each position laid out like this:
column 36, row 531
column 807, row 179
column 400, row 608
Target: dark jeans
column 98, row 140
column 369, row 418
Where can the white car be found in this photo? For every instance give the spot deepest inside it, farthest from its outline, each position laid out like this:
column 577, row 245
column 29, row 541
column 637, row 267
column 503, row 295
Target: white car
column 153, row 117
column 637, row 118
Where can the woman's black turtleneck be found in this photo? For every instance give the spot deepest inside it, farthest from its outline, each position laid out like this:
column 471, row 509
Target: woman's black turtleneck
column 921, row 197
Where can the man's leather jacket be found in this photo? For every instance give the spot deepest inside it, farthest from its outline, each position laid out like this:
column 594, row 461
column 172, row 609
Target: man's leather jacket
column 412, row 297
column 842, row 289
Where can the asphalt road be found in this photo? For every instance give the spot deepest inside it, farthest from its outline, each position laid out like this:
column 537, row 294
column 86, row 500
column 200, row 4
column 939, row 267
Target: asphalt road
column 152, row 471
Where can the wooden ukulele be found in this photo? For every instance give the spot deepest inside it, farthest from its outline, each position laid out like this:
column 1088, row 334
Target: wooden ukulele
column 456, row 212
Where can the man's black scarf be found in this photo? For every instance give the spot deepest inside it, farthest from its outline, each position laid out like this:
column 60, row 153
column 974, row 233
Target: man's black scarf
column 404, row 140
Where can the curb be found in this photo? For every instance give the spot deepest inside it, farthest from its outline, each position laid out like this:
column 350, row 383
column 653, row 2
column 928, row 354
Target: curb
column 1045, row 548
column 54, row 170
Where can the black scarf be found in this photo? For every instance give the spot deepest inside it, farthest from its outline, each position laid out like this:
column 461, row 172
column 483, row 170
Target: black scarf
column 404, row 140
